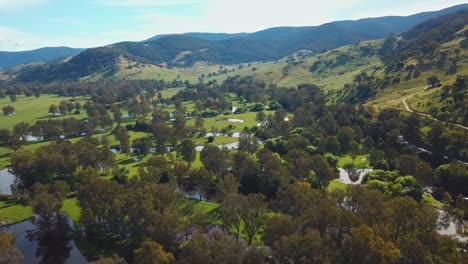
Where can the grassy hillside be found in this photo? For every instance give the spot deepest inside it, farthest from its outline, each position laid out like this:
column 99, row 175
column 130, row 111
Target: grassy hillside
column 186, row 50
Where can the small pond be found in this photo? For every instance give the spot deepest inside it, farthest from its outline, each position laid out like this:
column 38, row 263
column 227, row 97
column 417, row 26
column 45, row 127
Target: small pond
column 40, row 247
column 6, row 180
column 234, row 120
column 234, row 145
column 452, row 228
column 344, row 176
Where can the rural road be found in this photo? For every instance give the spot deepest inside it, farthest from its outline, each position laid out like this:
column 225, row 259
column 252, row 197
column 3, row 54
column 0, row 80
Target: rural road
column 429, row 116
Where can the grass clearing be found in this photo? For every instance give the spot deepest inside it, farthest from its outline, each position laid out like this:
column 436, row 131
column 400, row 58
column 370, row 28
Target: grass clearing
column 221, row 122
column 14, row 213
column 72, row 209
column 361, row 161
column 336, row 185
column 428, row 199
column 32, row 109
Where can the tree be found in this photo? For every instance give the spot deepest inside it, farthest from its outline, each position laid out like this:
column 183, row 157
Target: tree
column 453, row 177
column 53, row 109
column 9, row 254
column 142, row 146
column 248, row 143
column 229, row 185
column 151, row 252
column 9, row 139
column 199, row 124
column 187, row 151
column 330, row 145
column 323, row 173
column 270, row 172
column 278, row 226
column 214, row 248
column 121, row 134
column 115, row 259
column 460, row 208
column 8, row 110
column 306, row 247
column 256, row 255
column 117, row 114
column 365, row 246
column 48, row 200
column 253, row 214
column 260, row 117
column 433, row 81
column 230, row 212
column 70, row 107
column 202, row 180
column 52, row 230
column 215, row 159
column 63, row 107
column 368, row 144
column 21, row 130
column 353, row 150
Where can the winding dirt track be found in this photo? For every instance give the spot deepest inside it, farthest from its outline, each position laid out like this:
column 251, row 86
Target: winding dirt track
column 429, row 116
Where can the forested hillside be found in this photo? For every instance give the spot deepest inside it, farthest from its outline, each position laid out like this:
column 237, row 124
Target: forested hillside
column 8, row 59
column 268, row 45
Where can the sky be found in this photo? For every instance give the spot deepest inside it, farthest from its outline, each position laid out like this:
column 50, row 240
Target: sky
column 31, row 24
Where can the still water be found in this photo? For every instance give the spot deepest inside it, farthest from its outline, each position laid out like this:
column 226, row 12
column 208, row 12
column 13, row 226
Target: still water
column 40, row 246
column 6, row 180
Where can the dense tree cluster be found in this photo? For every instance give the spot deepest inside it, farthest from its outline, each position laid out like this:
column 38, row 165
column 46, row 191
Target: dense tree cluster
column 355, row 226
column 59, row 160
column 104, row 92
column 455, row 98
column 272, row 201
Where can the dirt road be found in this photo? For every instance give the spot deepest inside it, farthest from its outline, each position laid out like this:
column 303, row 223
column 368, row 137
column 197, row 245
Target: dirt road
column 429, row 116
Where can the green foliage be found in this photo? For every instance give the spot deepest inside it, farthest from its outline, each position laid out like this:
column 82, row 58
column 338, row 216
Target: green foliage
column 453, row 177
column 394, row 185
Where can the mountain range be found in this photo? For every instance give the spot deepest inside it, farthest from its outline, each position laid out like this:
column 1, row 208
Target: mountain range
column 9, row 59
column 183, row 50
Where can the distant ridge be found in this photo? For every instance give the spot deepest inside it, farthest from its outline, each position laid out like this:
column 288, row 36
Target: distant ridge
column 184, row 50
column 205, row 36
column 9, row 59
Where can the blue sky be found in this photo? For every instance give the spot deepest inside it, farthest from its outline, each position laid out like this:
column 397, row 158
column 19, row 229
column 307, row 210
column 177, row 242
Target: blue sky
column 30, row 24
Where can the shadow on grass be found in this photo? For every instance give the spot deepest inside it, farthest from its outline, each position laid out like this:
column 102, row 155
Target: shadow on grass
column 127, row 161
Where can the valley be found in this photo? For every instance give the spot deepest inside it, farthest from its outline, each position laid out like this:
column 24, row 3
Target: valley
column 345, row 142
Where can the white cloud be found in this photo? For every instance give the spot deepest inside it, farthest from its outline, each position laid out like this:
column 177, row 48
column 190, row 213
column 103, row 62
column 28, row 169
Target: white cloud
column 13, row 40
column 144, row 3
column 211, row 16
column 16, row 40
column 249, row 15
column 253, row 15
column 409, row 8
column 65, row 21
column 14, row 5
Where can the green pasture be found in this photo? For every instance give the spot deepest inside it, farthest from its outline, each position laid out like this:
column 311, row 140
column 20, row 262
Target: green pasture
column 32, row 109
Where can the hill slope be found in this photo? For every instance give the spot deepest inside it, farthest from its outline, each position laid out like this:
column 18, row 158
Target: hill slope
column 267, row 45
column 202, row 35
column 9, row 59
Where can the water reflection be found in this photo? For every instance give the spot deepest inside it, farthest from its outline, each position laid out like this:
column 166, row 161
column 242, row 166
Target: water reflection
column 352, row 175
column 53, row 238
column 47, row 241
column 451, row 226
column 6, row 180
